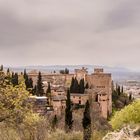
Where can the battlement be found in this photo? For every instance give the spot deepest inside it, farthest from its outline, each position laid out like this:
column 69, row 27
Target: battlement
column 98, row 70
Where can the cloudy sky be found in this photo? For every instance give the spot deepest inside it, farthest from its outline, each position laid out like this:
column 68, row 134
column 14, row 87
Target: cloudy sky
column 49, row 32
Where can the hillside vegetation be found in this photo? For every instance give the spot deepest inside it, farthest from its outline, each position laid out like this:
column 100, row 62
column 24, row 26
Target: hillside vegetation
column 130, row 114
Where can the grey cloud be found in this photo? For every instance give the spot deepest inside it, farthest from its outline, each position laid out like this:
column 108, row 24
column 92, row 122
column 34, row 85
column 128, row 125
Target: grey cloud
column 14, row 32
column 69, row 32
column 126, row 13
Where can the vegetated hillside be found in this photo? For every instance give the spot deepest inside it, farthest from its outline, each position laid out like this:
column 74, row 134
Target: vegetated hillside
column 127, row 121
column 130, row 114
column 120, row 99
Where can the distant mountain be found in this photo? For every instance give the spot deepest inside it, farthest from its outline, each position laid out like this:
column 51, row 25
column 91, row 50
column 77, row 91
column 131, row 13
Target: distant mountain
column 118, row 73
column 71, row 68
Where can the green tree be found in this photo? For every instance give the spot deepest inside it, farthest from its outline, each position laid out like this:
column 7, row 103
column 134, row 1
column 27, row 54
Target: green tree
column 122, row 90
column 13, row 103
column 127, row 115
column 8, row 71
column 40, row 90
column 25, row 74
column 68, row 113
column 1, row 68
column 119, row 90
column 30, row 83
column 82, row 86
column 87, row 86
column 49, row 88
column 72, row 85
column 26, row 81
column 66, row 71
column 8, row 77
column 87, row 122
column 76, row 86
column 14, row 79
column 130, row 97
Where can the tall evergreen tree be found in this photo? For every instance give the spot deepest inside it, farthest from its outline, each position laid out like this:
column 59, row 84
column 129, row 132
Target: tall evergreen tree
column 8, row 77
column 72, row 85
column 14, row 79
column 130, row 97
column 68, row 113
column 48, row 93
column 87, row 86
column 8, row 71
column 30, row 83
column 40, row 90
column 49, row 88
column 82, row 86
column 119, row 90
column 76, row 86
column 66, row 71
column 87, row 122
column 26, row 81
column 1, row 68
column 122, row 89
column 25, row 74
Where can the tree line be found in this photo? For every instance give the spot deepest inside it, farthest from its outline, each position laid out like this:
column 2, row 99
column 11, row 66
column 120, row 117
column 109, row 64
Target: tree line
column 86, row 121
column 78, row 87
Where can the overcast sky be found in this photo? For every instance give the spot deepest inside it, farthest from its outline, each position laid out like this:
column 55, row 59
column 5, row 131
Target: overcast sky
column 49, row 32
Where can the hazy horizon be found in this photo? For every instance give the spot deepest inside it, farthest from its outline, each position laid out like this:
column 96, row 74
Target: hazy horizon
column 75, row 32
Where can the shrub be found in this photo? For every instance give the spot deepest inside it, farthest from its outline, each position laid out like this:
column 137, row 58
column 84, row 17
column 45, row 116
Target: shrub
column 130, row 114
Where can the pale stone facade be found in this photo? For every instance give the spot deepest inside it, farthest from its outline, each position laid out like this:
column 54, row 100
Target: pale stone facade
column 80, row 99
column 59, row 104
column 103, row 83
column 81, row 73
column 99, row 92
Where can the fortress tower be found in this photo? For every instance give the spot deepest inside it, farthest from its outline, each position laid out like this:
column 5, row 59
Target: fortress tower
column 103, row 83
column 81, row 73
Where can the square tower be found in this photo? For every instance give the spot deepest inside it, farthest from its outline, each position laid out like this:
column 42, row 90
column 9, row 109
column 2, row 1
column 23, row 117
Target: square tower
column 103, row 83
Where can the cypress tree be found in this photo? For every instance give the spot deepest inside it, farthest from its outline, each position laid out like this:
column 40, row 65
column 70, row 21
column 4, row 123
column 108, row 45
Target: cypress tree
column 25, row 74
column 87, row 122
column 72, row 85
column 119, row 90
column 14, row 79
column 26, row 81
column 8, row 77
column 8, row 71
column 130, row 97
column 76, row 86
column 82, row 86
column 49, row 88
column 1, row 68
column 122, row 89
column 66, row 71
column 87, row 86
column 68, row 113
column 30, row 83
column 40, row 90
column 48, row 93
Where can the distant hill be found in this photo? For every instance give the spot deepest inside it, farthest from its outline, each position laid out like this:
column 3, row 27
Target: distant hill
column 119, row 74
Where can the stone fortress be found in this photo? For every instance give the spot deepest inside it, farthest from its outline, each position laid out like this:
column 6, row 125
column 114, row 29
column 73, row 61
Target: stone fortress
column 99, row 92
